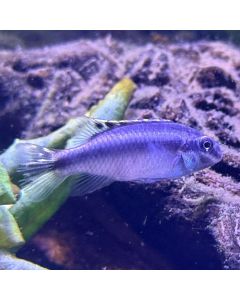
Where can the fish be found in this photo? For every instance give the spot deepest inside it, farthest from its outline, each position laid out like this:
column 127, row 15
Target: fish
column 101, row 152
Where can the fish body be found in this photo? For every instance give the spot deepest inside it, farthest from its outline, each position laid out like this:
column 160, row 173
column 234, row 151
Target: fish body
column 144, row 150
column 139, row 151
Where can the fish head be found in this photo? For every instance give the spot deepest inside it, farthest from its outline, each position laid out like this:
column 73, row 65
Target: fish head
column 200, row 153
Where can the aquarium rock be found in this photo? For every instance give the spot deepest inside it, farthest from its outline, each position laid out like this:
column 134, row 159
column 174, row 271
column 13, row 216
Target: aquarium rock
column 188, row 223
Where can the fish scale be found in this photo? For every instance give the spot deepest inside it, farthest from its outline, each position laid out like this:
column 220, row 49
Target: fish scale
column 140, row 151
column 131, row 152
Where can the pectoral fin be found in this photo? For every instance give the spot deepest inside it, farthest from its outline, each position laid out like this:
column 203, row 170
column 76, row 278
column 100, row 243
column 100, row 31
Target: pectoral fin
column 189, row 160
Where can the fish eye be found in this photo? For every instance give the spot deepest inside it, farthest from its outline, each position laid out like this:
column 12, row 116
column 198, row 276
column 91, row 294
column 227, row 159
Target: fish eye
column 206, row 144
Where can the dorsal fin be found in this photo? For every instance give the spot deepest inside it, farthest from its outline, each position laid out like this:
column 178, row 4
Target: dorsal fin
column 87, row 129
column 90, row 127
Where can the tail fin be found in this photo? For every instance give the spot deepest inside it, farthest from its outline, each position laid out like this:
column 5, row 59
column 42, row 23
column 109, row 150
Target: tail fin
column 33, row 160
column 36, row 164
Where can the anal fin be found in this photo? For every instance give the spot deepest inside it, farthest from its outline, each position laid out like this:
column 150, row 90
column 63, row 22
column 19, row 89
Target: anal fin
column 87, row 183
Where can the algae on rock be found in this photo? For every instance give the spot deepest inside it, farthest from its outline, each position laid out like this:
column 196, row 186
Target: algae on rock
column 6, row 192
column 29, row 213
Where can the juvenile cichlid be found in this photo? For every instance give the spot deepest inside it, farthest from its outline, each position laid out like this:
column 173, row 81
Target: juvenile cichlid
column 107, row 151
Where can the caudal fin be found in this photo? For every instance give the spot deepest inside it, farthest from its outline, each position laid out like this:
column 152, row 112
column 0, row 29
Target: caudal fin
column 36, row 164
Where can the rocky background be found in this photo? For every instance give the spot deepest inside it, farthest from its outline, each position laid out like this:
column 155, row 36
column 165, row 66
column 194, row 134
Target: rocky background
column 191, row 223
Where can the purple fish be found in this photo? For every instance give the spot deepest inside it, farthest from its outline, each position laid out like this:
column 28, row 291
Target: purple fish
column 106, row 151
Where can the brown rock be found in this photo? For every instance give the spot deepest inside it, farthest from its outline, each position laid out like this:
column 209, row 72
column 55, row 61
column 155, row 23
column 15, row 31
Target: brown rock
column 193, row 83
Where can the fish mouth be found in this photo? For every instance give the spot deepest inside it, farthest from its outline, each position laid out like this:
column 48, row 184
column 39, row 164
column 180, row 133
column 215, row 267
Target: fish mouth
column 218, row 155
